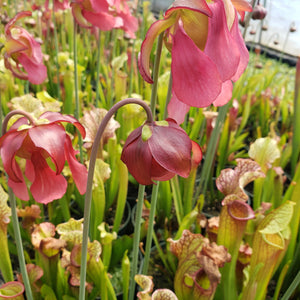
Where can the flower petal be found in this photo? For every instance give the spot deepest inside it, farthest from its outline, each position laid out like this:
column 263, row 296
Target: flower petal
column 104, row 21
column 171, row 148
column 137, row 156
column 196, row 80
column 144, row 56
column 51, row 138
column 244, row 54
column 10, row 143
column 177, row 109
column 56, row 117
column 220, row 45
column 77, row 14
column 78, row 170
column 11, row 23
column 225, row 94
column 19, row 188
column 37, row 72
column 47, row 186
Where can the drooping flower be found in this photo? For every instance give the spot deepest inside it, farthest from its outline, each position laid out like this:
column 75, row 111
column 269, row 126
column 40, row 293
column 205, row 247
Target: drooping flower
column 45, row 146
column 104, row 14
column 23, row 55
column 208, row 51
column 158, row 151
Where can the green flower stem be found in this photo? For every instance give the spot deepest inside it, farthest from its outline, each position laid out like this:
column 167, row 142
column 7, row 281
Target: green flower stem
column 155, row 187
column 150, row 227
column 14, row 215
column 19, row 244
column 77, row 107
column 136, row 240
column 155, row 72
column 211, row 151
column 98, row 83
column 56, row 52
column 88, row 195
column 177, row 198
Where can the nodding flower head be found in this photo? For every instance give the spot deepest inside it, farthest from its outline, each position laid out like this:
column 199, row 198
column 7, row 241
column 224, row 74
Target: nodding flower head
column 23, row 54
column 45, row 146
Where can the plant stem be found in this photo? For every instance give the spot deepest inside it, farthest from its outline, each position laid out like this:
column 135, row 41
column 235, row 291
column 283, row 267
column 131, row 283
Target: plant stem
column 56, row 51
column 155, row 72
column 98, row 83
column 136, row 240
column 150, row 228
column 89, row 188
column 211, row 150
column 77, row 108
column 19, row 244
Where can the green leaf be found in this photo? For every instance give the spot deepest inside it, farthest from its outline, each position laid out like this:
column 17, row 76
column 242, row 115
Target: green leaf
column 47, row 293
column 279, row 220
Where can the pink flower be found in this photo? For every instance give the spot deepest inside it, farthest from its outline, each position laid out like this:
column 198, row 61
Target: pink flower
column 159, row 151
column 45, row 146
column 207, row 49
column 23, row 55
column 104, row 14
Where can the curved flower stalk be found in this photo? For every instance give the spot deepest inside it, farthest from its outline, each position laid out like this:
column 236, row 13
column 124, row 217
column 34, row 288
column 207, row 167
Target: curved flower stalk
column 23, row 55
column 12, row 290
column 105, row 14
column 162, row 148
column 164, row 169
column 208, row 51
column 45, row 146
column 197, row 274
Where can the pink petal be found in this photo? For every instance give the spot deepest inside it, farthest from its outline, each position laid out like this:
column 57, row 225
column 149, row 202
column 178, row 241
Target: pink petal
column 130, row 23
column 197, row 154
column 37, row 72
column 159, row 173
column 51, row 138
column 196, row 80
column 144, row 56
column 104, row 21
column 47, row 186
column 19, row 188
column 225, row 95
column 13, row 46
column 78, row 170
column 29, row 171
column 17, row 72
column 244, row 54
column 56, row 117
column 195, row 5
column 241, row 6
column 99, row 5
column 77, row 14
column 10, row 143
column 171, row 149
column 12, row 22
column 137, row 156
column 177, row 109
column 220, row 45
